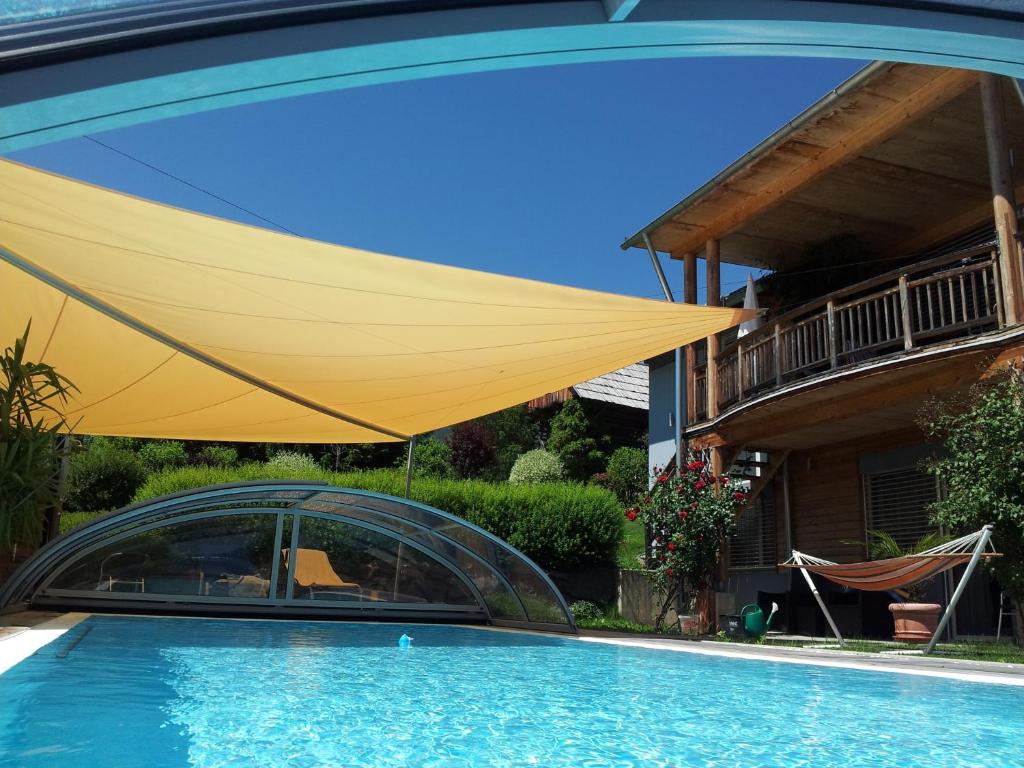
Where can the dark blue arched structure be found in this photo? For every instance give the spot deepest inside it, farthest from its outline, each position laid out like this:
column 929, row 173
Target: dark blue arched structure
column 91, row 65
column 290, row 548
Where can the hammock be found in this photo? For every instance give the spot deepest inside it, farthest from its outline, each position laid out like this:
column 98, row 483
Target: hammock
column 896, row 572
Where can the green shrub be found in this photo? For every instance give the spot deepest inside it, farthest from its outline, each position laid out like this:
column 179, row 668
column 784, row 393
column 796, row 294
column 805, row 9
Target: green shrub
column 157, row 455
column 71, row 520
column 102, row 477
column 627, row 474
column 219, row 456
column 432, row 458
column 562, row 526
column 537, row 466
column 289, row 461
column 584, row 610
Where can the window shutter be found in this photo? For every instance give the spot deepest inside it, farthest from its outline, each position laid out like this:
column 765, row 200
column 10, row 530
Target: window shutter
column 897, row 503
column 753, row 544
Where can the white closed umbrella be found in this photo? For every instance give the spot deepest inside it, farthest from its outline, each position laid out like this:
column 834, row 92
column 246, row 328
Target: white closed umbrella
column 749, row 326
column 750, row 302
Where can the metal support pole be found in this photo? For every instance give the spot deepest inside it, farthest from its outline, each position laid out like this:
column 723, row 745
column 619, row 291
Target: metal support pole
column 986, row 534
column 658, row 270
column 678, row 401
column 821, row 603
column 409, row 466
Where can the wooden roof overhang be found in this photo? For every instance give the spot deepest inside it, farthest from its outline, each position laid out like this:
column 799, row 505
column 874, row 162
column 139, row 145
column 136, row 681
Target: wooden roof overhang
column 895, row 156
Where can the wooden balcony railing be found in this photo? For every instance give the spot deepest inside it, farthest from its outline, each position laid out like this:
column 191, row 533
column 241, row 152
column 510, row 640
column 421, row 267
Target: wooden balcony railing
column 915, row 306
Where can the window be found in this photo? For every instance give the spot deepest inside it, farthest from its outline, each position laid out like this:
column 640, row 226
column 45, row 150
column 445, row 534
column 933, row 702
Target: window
column 897, row 503
column 339, row 561
column 753, row 544
column 225, row 556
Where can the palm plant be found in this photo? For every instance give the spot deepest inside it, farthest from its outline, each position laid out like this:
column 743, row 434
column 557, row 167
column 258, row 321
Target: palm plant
column 32, row 399
column 882, row 546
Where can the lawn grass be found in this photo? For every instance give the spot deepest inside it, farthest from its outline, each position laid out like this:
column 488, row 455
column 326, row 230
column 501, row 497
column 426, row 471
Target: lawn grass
column 615, row 624
column 1004, row 651
column 631, row 549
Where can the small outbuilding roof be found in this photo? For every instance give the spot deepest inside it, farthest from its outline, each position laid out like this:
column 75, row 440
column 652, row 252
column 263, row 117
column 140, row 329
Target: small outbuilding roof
column 627, row 386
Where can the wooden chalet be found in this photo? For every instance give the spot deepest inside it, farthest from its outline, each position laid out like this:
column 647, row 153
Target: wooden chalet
column 915, row 164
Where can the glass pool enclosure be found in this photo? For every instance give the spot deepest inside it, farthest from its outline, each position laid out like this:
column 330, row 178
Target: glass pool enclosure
column 290, row 548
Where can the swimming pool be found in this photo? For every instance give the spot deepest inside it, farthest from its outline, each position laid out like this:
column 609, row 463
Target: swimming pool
column 135, row 691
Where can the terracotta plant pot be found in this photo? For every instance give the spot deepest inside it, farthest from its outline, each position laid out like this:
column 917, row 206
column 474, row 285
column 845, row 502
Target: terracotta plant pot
column 915, row 622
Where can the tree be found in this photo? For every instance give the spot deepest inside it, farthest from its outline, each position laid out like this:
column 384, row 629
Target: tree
column 983, row 471
column 571, row 441
column 473, row 450
column 688, row 516
column 32, row 399
column 628, row 474
column 515, row 432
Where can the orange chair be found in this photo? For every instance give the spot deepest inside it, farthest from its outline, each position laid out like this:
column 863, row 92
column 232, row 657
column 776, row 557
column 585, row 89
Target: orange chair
column 313, row 572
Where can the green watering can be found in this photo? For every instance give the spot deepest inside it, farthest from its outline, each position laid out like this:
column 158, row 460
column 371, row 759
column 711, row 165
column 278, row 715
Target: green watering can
column 753, row 622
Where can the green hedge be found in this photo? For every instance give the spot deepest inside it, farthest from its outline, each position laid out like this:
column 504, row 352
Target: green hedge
column 69, row 520
column 562, row 526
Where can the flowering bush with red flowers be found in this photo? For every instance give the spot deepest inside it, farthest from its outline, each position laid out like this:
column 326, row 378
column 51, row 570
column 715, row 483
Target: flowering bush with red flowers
column 687, row 515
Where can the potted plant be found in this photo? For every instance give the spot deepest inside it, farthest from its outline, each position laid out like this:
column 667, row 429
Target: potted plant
column 914, row 621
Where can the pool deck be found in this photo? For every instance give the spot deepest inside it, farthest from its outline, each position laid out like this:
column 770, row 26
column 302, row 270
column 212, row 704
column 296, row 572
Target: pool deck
column 24, row 633
column 927, row 666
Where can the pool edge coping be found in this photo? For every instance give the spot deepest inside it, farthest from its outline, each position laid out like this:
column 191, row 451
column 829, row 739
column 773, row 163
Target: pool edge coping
column 862, row 663
column 18, row 647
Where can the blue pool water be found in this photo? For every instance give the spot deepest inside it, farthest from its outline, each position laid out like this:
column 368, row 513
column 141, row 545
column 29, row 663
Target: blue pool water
column 119, row 692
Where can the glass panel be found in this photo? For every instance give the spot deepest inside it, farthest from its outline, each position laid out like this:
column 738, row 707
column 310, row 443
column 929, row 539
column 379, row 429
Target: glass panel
column 533, row 591
column 282, row 569
column 338, row 561
column 228, row 556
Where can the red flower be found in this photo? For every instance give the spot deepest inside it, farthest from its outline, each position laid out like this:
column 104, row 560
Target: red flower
column 682, row 514
column 695, row 466
column 631, row 515
column 739, row 496
column 671, row 546
column 668, row 572
column 699, row 484
column 723, row 479
column 662, row 477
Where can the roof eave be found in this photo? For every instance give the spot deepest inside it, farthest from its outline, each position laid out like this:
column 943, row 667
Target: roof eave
column 862, row 76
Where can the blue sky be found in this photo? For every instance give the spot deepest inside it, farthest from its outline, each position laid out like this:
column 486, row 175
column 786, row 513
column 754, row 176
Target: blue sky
column 539, row 173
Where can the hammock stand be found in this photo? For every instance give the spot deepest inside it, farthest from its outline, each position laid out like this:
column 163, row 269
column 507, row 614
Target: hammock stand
column 893, row 573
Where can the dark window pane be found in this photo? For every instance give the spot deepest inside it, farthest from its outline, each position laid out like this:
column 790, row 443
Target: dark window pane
column 227, row 556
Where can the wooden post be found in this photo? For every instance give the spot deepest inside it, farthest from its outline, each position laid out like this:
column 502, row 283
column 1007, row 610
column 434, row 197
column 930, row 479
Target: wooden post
column 1003, row 202
column 713, row 284
column 833, row 353
column 690, row 297
column 778, row 356
column 739, row 371
column 908, row 328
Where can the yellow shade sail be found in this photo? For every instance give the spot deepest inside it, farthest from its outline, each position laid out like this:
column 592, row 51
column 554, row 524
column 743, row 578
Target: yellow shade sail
column 175, row 324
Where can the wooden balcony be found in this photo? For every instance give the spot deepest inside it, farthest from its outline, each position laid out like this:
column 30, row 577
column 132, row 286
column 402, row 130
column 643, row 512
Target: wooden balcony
column 917, row 306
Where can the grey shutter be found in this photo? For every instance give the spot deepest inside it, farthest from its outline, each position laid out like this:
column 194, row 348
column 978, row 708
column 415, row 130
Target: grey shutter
column 753, row 544
column 897, row 503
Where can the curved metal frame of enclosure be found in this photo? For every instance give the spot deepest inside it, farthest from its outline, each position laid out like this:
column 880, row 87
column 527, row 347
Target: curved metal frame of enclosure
column 477, row 558
column 67, row 77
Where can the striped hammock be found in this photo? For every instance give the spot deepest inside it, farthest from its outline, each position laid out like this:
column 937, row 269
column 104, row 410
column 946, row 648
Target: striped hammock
column 896, row 572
